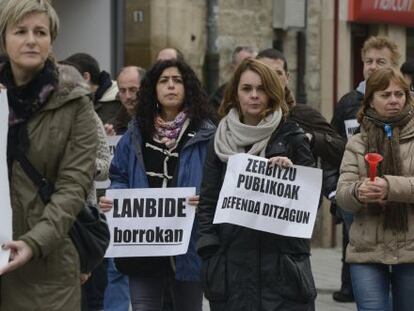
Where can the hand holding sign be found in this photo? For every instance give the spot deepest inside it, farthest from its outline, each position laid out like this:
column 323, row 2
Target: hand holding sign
column 105, row 204
column 149, row 222
column 258, row 194
column 20, row 254
column 280, row 161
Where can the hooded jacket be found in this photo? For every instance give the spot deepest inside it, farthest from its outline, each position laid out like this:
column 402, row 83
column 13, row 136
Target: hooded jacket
column 63, row 149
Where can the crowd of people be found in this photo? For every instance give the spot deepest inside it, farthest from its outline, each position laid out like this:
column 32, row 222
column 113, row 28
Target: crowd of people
column 174, row 135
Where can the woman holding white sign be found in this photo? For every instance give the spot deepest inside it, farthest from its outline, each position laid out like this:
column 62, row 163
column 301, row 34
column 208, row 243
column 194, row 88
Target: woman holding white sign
column 49, row 125
column 165, row 146
column 245, row 269
column 381, row 246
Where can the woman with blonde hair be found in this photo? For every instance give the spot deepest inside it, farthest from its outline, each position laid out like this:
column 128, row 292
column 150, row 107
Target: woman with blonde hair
column 49, row 125
column 246, row 269
column 381, row 246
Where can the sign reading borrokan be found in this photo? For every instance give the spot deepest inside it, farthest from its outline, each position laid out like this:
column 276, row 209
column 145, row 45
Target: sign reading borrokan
column 150, row 222
column 273, row 199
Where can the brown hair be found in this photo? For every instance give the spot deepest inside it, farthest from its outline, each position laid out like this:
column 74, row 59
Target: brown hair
column 271, row 85
column 378, row 43
column 379, row 81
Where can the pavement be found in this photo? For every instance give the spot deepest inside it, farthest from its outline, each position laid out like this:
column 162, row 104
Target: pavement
column 326, row 267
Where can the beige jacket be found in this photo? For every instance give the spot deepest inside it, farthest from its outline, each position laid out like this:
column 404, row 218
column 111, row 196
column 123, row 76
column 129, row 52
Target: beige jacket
column 63, row 149
column 369, row 242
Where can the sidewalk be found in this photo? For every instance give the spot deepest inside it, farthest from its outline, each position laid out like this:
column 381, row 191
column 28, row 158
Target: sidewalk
column 326, row 267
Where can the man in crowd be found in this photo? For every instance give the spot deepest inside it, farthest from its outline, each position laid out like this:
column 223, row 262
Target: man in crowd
column 238, row 55
column 407, row 69
column 377, row 52
column 169, row 53
column 325, row 142
column 104, row 89
column 129, row 81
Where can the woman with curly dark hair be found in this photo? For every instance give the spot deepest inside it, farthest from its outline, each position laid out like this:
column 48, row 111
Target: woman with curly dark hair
column 165, row 146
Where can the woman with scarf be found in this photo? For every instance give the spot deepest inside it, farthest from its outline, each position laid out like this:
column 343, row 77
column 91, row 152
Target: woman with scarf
column 164, row 146
column 381, row 247
column 49, row 125
column 246, row 269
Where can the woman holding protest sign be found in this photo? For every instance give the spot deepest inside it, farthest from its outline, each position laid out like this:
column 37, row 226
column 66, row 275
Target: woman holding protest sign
column 381, row 246
column 165, row 146
column 48, row 127
column 245, row 269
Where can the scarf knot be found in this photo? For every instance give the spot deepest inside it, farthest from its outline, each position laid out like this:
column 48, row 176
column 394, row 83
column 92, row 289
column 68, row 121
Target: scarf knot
column 233, row 136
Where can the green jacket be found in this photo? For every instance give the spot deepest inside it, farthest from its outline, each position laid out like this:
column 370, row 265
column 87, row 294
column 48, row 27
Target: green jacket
column 62, row 148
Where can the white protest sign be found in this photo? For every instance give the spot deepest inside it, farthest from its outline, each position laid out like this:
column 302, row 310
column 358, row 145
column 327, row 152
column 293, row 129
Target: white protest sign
column 351, row 126
column 150, row 222
column 112, row 142
column 272, row 199
column 6, row 230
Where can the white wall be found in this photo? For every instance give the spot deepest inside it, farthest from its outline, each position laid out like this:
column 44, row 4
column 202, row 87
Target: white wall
column 85, row 26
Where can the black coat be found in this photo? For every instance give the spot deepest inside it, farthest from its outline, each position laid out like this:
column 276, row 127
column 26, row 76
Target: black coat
column 245, row 269
column 326, row 143
column 346, row 109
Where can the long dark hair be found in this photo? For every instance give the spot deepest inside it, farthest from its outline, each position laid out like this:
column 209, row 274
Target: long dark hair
column 195, row 99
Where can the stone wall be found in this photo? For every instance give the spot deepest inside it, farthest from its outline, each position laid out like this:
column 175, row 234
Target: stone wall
column 241, row 23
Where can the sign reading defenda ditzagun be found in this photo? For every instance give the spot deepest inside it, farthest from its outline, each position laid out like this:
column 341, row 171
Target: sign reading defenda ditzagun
column 272, row 199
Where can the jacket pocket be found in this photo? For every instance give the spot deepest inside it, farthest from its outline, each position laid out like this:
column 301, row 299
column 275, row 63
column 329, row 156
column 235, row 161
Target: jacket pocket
column 297, row 282
column 363, row 234
column 214, row 277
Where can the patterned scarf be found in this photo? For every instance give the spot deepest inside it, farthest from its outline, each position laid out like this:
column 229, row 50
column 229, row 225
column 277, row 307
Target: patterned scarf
column 27, row 99
column 168, row 131
column 383, row 137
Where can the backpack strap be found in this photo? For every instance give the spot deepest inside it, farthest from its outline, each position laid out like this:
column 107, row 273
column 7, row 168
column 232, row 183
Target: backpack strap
column 44, row 187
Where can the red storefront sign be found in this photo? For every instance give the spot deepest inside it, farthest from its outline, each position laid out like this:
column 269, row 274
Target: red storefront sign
column 399, row 12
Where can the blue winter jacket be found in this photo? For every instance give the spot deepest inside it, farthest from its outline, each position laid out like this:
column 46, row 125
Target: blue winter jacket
column 127, row 171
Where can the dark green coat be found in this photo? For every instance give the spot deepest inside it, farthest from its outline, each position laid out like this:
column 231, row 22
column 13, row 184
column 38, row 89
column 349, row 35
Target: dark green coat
column 62, row 148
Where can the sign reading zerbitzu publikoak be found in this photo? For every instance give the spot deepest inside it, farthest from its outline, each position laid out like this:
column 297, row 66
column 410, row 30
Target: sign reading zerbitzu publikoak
column 273, row 199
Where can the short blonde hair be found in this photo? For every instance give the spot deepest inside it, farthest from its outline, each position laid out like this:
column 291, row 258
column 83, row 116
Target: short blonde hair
column 13, row 11
column 379, row 43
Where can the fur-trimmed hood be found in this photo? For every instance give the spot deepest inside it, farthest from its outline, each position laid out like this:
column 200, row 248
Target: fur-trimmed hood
column 71, row 86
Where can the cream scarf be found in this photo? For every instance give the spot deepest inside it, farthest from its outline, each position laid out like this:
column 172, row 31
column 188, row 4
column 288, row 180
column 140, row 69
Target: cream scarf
column 232, row 136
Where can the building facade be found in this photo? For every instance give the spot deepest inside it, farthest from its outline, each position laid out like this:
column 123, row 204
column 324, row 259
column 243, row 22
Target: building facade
column 320, row 38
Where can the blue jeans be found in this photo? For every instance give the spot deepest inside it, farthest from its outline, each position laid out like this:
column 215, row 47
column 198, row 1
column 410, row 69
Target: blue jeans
column 164, row 293
column 372, row 284
column 117, row 291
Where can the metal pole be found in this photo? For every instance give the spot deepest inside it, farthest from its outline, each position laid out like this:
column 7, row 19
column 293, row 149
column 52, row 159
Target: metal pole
column 212, row 58
column 301, row 96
